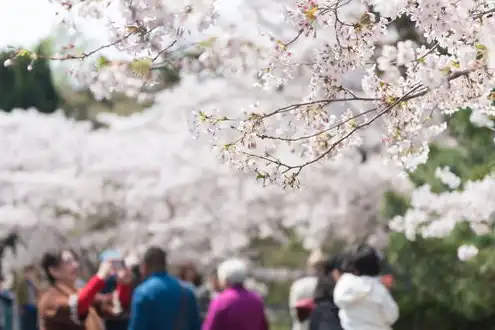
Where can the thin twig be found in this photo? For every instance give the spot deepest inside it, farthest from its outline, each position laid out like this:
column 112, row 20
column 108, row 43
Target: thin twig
column 415, row 92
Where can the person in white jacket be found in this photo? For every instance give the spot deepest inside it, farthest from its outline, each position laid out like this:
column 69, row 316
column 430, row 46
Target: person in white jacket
column 364, row 302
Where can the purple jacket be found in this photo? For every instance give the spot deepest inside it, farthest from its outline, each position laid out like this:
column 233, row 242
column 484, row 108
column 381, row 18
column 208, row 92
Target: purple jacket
column 236, row 308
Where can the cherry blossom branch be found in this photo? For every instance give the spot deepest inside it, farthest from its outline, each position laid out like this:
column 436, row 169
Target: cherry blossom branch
column 480, row 15
column 164, row 50
column 321, row 103
column 415, row 92
column 305, row 137
column 82, row 56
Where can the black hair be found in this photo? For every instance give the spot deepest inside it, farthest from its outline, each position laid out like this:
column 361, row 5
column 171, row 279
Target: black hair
column 326, row 283
column 364, row 261
column 189, row 266
column 335, row 263
column 50, row 260
column 155, row 258
column 53, row 259
column 136, row 275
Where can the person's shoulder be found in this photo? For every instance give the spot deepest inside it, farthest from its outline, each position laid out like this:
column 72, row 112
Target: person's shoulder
column 255, row 295
column 49, row 299
column 49, row 293
column 147, row 286
column 222, row 300
column 347, row 277
column 258, row 299
column 347, row 280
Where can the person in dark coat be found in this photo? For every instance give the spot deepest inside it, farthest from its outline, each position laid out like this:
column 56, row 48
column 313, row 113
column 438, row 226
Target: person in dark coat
column 325, row 315
column 207, row 292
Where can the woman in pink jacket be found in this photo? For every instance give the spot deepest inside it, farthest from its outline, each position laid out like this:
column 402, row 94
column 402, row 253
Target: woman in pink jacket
column 236, row 307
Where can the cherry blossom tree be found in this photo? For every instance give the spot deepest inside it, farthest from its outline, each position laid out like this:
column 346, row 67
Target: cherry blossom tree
column 349, row 81
column 461, row 189
column 405, row 84
column 143, row 179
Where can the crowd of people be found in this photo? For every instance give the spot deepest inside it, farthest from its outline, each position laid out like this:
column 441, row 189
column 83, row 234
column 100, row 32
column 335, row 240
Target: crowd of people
column 342, row 292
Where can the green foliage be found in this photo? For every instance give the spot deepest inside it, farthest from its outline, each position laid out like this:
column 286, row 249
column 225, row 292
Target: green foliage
column 434, row 289
column 278, row 293
column 394, row 204
column 471, row 159
column 171, row 76
column 21, row 88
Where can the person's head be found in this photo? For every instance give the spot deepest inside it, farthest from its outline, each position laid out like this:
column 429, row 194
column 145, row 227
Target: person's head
column 189, row 273
column 154, row 260
column 316, row 262
column 61, row 267
column 136, row 274
column 335, row 266
column 232, row 272
column 364, row 261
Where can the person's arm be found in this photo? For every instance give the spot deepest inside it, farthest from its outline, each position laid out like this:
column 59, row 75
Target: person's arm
column 293, row 298
column 140, row 317
column 124, row 292
column 82, row 301
column 213, row 317
column 389, row 307
column 115, row 298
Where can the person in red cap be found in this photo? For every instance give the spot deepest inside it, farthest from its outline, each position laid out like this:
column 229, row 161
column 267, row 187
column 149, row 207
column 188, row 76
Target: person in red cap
column 301, row 291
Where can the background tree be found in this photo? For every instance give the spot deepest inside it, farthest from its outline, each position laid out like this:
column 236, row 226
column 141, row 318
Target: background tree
column 435, row 290
column 27, row 83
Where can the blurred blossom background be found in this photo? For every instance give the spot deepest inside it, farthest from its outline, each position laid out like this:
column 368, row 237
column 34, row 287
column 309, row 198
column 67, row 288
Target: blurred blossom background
column 81, row 169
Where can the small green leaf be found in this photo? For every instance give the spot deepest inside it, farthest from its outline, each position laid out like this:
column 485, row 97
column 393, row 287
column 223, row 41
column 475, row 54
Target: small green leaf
column 208, row 42
column 102, row 62
column 142, row 67
column 261, row 176
column 23, row 52
column 202, row 116
column 480, row 47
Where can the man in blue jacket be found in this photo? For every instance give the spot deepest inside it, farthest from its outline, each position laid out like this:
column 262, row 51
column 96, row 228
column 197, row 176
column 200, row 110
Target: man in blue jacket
column 161, row 302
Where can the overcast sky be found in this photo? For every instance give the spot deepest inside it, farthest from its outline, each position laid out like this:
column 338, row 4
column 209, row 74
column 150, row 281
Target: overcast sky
column 26, row 28
column 25, row 22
